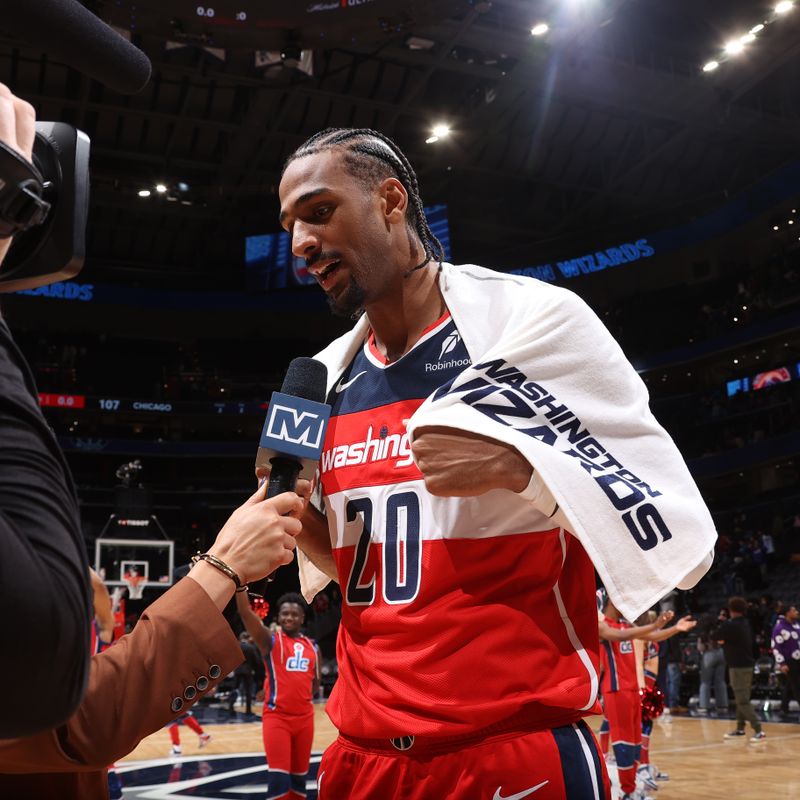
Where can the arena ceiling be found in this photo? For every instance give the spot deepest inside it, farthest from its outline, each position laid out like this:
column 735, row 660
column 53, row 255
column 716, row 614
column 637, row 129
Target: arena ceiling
column 602, row 127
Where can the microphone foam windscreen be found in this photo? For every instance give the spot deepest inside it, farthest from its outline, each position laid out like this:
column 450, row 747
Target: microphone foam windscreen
column 70, row 33
column 306, row 378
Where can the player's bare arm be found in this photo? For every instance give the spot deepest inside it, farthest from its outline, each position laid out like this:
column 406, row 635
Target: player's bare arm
column 253, row 624
column 456, row 463
column 634, row 632
column 683, row 625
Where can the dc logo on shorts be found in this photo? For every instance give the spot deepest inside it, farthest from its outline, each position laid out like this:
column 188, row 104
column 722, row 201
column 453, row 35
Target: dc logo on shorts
column 402, row 742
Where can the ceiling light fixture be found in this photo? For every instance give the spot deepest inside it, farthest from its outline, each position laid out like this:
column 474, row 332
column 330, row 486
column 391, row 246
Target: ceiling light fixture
column 734, row 47
column 710, row 66
column 144, row 193
column 540, row 29
column 784, row 6
column 431, row 139
column 747, row 38
column 757, row 28
column 161, row 188
column 441, row 130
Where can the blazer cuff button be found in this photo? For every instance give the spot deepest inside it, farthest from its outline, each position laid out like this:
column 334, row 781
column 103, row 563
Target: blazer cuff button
column 202, row 683
column 190, row 693
column 214, row 671
column 177, row 704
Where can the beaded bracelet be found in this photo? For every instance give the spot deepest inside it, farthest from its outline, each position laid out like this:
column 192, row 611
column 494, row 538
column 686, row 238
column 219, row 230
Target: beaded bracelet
column 222, row 567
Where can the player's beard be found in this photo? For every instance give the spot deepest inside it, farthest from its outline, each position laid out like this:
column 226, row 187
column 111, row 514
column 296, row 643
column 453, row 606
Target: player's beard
column 350, row 303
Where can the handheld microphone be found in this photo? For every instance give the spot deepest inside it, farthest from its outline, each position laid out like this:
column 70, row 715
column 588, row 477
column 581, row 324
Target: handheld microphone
column 70, row 33
column 294, row 431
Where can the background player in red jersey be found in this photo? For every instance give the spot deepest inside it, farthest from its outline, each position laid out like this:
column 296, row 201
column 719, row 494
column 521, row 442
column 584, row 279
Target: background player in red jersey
column 439, row 529
column 292, row 664
column 190, row 722
column 620, row 685
column 103, row 623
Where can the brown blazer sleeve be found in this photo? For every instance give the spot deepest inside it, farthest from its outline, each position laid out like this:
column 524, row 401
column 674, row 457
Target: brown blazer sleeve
column 179, row 650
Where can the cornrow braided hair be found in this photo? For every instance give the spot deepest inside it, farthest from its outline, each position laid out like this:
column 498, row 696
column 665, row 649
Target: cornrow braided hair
column 370, row 156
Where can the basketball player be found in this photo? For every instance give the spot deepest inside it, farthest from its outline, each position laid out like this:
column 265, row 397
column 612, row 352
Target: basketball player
column 620, row 685
column 187, row 719
column 103, row 623
column 292, row 664
column 468, row 650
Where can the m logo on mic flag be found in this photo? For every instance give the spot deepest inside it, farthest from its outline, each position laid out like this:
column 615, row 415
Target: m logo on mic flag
column 295, row 426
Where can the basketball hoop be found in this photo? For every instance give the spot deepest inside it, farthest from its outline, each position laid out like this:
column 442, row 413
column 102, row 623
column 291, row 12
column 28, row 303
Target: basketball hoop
column 135, row 584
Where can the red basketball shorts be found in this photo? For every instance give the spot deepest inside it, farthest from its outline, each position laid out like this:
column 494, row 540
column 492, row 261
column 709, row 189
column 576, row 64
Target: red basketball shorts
column 623, row 711
column 558, row 764
column 287, row 745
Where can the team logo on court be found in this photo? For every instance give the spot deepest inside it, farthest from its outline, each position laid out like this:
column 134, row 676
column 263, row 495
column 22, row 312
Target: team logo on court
column 297, row 663
column 402, row 742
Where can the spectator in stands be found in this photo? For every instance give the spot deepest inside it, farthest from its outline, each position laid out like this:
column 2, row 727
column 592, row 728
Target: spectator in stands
column 786, row 650
column 736, row 639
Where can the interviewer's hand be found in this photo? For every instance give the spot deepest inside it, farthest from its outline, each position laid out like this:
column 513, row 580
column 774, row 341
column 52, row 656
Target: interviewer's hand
column 17, row 130
column 259, row 536
column 457, row 463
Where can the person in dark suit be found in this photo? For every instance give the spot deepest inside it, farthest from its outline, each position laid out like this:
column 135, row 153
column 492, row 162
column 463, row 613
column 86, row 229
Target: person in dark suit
column 40, row 531
column 182, row 645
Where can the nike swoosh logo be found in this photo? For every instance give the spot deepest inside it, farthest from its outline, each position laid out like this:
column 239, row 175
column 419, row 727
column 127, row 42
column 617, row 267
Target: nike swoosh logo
column 518, row 795
column 340, row 387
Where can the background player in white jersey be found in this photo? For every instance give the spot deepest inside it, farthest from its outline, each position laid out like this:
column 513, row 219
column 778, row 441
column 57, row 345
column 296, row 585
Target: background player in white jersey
column 454, row 559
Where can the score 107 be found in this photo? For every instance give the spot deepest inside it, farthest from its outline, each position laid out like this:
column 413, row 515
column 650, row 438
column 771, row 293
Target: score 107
column 109, row 404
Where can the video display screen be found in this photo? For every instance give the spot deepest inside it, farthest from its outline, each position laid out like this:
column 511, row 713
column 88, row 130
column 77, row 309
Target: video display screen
column 270, row 265
column 763, row 380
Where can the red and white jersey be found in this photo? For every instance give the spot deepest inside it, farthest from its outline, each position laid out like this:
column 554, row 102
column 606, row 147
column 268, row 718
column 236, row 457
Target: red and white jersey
column 619, row 662
column 291, row 664
column 458, row 613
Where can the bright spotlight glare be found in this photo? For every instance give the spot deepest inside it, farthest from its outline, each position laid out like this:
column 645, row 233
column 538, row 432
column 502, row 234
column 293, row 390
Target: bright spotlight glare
column 160, row 188
column 711, row 66
column 734, row 47
column 540, row 29
column 747, row 38
column 784, row 6
column 441, row 130
column 144, row 193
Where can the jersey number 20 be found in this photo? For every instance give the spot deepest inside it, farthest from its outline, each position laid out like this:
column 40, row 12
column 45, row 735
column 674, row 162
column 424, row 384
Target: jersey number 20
column 402, row 551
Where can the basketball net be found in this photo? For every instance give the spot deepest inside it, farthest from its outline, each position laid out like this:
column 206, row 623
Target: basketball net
column 135, row 584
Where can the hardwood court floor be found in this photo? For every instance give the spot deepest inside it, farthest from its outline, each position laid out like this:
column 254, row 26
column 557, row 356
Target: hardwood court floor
column 701, row 764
